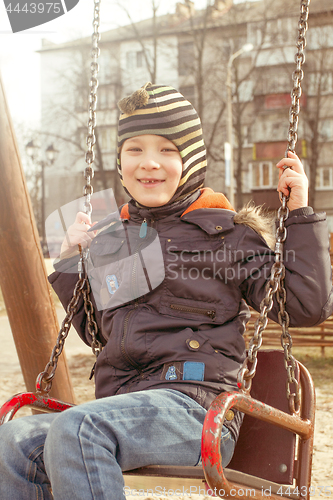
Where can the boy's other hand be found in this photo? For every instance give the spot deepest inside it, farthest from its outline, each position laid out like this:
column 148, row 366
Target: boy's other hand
column 77, row 234
column 295, row 179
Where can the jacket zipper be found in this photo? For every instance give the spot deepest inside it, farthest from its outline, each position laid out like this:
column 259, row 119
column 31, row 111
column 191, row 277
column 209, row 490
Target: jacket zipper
column 211, row 313
column 129, row 314
column 135, row 257
column 134, row 268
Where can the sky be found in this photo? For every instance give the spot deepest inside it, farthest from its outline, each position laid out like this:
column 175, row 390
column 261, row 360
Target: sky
column 19, row 62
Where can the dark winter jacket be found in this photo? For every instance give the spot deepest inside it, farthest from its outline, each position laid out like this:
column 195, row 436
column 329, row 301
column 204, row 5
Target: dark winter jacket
column 187, row 332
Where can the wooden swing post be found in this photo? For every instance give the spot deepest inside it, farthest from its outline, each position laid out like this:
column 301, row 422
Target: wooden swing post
column 23, row 277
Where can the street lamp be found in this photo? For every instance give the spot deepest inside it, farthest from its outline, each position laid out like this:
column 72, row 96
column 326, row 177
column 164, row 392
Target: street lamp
column 246, row 48
column 33, row 151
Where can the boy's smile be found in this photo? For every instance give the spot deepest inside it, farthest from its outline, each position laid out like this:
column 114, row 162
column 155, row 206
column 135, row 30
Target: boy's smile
column 151, row 167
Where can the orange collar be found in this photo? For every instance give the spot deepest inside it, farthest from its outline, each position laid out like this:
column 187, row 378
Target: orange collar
column 207, row 199
column 124, row 213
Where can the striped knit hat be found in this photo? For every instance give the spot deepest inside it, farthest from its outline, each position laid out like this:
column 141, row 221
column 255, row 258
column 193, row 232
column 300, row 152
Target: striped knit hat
column 162, row 110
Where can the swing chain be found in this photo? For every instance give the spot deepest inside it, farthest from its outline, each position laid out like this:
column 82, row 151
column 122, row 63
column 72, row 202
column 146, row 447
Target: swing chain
column 298, row 75
column 93, row 84
column 82, row 286
column 283, row 317
column 286, row 340
column 275, row 285
column 48, row 374
column 96, row 345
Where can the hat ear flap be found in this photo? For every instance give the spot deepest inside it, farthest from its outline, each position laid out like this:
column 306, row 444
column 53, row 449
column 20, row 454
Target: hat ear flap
column 137, row 100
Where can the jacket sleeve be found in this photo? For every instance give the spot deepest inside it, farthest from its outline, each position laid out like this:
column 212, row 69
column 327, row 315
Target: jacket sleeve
column 63, row 282
column 308, row 278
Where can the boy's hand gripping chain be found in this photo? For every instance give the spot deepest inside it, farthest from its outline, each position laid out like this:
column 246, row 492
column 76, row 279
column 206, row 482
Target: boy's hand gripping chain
column 275, row 285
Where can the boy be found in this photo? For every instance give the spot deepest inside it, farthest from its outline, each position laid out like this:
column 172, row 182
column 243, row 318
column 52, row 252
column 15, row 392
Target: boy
column 170, row 350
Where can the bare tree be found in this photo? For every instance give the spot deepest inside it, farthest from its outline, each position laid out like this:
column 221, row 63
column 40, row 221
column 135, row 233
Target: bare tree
column 214, row 41
column 72, row 111
column 318, row 75
column 141, row 37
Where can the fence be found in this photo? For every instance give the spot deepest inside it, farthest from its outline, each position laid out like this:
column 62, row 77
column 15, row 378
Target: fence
column 317, row 336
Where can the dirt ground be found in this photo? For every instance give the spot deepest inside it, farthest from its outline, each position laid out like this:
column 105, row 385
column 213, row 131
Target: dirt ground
column 81, row 360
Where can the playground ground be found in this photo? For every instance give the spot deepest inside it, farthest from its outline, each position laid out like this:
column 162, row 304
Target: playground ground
column 81, row 360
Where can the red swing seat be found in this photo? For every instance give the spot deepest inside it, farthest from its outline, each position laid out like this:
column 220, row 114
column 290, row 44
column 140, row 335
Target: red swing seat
column 268, row 462
column 265, row 457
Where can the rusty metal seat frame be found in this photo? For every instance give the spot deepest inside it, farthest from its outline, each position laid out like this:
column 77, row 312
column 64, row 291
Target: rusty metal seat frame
column 266, row 456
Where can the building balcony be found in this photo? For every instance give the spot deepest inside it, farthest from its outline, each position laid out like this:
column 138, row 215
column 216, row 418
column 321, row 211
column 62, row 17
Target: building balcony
column 270, row 102
column 276, row 150
column 267, row 197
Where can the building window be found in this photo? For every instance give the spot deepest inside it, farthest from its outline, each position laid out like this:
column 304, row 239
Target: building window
column 106, row 97
column 264, row 175
column 130, row 59
column 245, row 91
column 326, row 130
column 320, row 83
column 320, row 37
column 247, row 136
column 326, row 83
column 81, row 99
column 277, row 31
column 135, row 59
column 269, row 84
column 324, row 178
column 107, row 68
column 246, row 181
column 185, row 58
column 107, row 137
column 140, row 59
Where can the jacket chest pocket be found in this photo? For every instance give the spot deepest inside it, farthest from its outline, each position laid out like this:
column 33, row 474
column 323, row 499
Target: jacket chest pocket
column 125, row 267
column 105, row 270
column 195, row 286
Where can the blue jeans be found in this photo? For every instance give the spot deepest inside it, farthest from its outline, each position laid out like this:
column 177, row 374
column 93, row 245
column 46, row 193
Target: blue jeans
column 81, row 452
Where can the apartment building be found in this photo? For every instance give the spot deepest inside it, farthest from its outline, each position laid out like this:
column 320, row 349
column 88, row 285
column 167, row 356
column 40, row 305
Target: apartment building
column 194, row 51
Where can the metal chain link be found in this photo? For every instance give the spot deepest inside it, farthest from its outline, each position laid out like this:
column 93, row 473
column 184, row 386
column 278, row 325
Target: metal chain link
column 96, row 345
column 93, row 84
column 275, row 285
column 82, row 287
column 298, row 75
column 283, row 316
column 48, row 374
column 89, row 174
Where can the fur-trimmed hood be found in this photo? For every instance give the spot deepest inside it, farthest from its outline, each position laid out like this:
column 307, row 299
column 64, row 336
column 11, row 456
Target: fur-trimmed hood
column 258, row 219
column 255, row 217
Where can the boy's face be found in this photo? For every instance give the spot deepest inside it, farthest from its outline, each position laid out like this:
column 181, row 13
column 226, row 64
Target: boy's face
column 151, row 168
